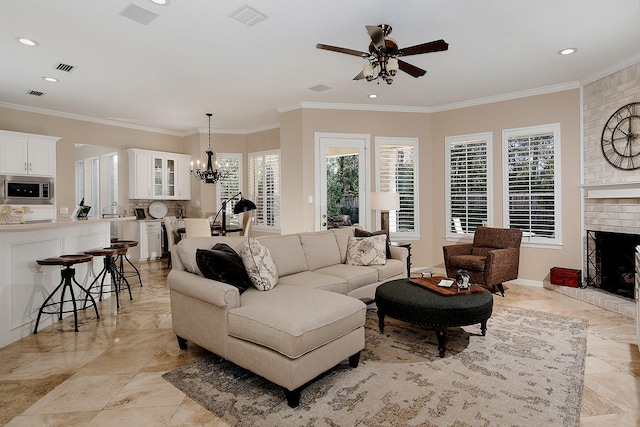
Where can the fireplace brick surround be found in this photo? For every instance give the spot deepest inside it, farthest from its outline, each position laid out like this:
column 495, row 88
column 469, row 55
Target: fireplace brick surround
column 611, row 196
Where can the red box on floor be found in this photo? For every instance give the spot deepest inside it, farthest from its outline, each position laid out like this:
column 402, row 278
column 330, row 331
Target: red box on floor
column 566, row 277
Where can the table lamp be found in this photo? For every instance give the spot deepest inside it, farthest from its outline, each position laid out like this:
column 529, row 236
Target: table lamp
column 385, row 202
column 243, row 205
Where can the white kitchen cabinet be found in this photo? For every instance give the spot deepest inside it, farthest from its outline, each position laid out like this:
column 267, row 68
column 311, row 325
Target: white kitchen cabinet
column 27, row 154
column 158, row 175
column 148, row 233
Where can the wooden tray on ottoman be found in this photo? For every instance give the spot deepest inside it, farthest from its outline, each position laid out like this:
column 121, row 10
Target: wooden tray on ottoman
column 431, row 283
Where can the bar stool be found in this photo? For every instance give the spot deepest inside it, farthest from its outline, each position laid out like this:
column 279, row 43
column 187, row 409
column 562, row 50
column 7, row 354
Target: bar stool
column 124, row 257
column 66, row 283
column 111, row 268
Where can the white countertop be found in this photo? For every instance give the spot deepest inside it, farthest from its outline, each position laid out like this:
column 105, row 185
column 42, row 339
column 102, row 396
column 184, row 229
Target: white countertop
column 60, row 223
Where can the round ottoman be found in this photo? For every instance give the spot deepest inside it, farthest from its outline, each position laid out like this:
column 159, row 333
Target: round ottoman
column 410, row 303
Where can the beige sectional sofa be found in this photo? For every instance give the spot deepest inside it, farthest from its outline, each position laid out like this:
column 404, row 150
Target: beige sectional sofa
column 309, row 322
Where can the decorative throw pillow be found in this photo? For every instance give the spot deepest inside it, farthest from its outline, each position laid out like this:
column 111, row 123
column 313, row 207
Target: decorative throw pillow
column 259, row 264
column 359, row 232
column 223, row 264
column 366, row 250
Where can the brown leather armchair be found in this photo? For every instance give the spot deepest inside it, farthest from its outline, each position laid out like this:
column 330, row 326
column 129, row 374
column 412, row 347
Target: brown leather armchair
column 492, row 258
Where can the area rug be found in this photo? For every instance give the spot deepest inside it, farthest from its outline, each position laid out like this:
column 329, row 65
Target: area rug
column 527, row 371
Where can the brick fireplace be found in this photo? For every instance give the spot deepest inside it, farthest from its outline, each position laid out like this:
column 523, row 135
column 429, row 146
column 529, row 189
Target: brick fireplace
column 611, row 196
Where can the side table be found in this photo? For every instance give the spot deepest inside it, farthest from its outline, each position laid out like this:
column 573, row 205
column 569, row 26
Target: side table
column 408, row 246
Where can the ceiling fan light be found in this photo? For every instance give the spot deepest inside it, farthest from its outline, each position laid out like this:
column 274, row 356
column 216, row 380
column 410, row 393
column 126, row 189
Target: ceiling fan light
column 392, row 66
column 367, row 72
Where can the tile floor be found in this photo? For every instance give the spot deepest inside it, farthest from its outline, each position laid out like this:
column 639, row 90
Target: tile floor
column 109, row 373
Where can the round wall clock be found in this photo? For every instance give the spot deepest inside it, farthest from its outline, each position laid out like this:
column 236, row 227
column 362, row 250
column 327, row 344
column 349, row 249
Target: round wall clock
column 620, row 139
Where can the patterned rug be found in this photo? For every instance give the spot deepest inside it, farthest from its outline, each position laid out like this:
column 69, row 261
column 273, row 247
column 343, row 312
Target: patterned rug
column 527, row 371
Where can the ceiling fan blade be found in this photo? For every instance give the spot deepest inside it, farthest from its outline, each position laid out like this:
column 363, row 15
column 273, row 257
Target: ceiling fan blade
column 342, row 50
column 360, row 76
column 411, row 69
column 377, row 36
column 434, row 46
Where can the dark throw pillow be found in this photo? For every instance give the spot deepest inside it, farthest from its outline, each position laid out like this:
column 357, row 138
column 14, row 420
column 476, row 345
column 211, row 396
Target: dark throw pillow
column 359, row 232
column 223, row 264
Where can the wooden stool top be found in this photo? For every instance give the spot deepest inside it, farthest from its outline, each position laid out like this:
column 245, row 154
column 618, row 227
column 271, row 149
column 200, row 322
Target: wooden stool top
column 104, row 251
column 65, row 260
column 124, row 243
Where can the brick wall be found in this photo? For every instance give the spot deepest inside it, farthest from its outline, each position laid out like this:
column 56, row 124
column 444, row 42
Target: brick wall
column 600, row 100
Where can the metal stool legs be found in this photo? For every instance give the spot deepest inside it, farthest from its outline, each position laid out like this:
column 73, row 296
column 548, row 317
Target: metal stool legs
column 67, row 281
column 117, row 279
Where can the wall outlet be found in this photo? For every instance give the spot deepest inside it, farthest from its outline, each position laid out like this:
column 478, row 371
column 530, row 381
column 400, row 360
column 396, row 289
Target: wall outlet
column 64, row 211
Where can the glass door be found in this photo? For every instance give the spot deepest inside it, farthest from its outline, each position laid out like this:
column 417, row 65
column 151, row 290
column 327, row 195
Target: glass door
column 342, row 181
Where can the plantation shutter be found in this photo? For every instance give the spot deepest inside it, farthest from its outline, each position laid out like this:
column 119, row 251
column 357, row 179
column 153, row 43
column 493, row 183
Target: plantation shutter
column 231, row 184
column 397, row 166
column 468, row 185
column 531, row 183
column 264, row 187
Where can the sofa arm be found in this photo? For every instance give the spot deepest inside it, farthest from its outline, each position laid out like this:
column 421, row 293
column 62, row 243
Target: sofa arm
column 399, row 253
column 501, row 265
column 210, row 291
column 459, row 249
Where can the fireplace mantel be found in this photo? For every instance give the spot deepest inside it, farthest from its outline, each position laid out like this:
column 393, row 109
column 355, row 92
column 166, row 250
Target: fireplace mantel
column 624, row 190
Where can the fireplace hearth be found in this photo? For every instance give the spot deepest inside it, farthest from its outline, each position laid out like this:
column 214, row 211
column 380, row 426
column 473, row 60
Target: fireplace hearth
column 611, row 262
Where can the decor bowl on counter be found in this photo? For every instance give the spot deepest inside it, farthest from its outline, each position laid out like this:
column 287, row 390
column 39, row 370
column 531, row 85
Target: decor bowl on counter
column 11, row 215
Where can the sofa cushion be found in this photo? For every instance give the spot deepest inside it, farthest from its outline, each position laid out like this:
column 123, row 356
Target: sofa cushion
column 359, row 232
column 392, row 268
column 355, row 276
column 471, row 262
column 287, row 253
column 342, row 237
column 259, row 264
column 367, row 250
column 316, row 280
column 294, row 321
column 320, row 249
column 223, row 264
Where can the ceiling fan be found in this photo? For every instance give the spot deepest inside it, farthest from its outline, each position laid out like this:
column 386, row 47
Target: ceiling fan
column 384, row 53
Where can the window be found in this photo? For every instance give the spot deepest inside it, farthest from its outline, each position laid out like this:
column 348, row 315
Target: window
column 532, row 183
column 468, row 183
column 232, row 184
column 264, row 188
column 398, row 172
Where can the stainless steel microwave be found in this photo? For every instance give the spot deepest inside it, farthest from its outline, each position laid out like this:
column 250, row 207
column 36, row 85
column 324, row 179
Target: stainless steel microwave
column 26, row 190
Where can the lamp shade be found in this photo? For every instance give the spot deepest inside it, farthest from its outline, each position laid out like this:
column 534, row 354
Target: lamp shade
column 244, row 205
column 385, row 201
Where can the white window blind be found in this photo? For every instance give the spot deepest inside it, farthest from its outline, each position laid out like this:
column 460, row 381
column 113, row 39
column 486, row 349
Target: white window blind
column 232, row 184
column 532, row 182
column 264, row 188
column 397, row 172
column 468, row 184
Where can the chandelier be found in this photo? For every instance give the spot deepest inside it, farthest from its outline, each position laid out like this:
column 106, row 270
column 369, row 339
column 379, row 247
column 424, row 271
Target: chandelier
column 209, row 175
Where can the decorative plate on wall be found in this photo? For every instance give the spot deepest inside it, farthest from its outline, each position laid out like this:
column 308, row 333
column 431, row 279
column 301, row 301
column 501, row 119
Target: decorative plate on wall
column 158, row 210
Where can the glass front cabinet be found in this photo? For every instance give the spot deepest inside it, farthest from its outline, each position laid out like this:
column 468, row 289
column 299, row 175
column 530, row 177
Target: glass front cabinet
column 158, row 175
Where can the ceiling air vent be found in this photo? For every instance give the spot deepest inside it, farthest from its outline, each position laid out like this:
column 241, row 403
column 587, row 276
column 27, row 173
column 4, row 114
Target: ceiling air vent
column 248, row 15
column 319, row 88
column 65, row 67
column 35, row 93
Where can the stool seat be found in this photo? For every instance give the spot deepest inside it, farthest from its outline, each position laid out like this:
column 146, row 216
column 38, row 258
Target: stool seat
column 65, row 260
column 104, row 251
column 125, row 243
column 66, row 284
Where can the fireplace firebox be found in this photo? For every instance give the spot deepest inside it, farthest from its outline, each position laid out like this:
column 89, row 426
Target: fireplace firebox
column 611, row 262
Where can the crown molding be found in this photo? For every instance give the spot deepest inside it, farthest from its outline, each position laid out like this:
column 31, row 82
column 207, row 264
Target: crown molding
column 446, row 107
column 89, row 119
column 612, row 70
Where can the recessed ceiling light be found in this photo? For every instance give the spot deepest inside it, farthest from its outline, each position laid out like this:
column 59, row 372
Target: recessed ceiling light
column 50, row 79
column 27, row 42
column 161, row 2
column 373, row 96
column 568, row 51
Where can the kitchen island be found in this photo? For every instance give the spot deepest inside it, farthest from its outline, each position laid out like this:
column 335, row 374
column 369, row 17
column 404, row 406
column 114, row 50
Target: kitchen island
column 24, row 285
